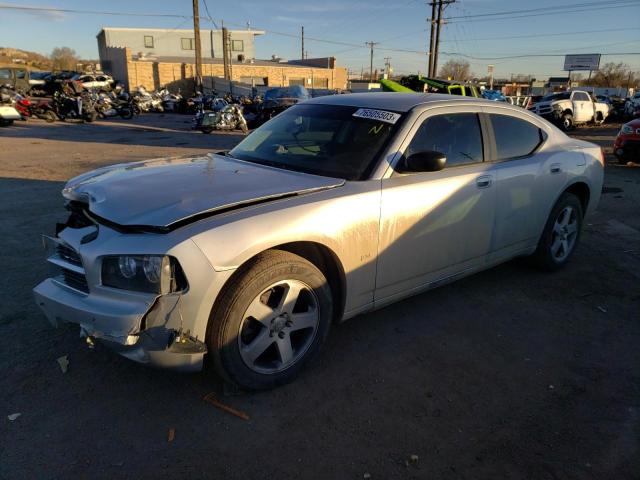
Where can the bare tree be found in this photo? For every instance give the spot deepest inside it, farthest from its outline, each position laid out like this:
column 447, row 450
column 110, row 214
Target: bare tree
column 613, row 75
column 456, row 70
column 64, row 58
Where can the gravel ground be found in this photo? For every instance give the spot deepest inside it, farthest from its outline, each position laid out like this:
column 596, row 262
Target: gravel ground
column 506, row 374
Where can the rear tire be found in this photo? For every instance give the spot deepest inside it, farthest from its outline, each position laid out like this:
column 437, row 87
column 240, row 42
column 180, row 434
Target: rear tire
column 561, row 234
column 269, row 321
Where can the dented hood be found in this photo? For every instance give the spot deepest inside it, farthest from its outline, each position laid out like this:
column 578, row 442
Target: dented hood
column 163, row 192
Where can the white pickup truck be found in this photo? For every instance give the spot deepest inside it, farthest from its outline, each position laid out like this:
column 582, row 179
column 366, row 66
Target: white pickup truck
column 566, row 109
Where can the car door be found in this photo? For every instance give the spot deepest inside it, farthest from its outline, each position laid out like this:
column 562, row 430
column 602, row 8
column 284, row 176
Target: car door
column 22, row 80
column 436, row 224
column 527, row 178
column 582, row 107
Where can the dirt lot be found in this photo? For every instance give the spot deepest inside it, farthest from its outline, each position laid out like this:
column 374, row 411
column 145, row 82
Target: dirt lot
column 507, row 374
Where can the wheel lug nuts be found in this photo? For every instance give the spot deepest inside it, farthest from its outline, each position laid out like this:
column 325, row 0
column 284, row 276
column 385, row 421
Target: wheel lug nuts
column 281, row 334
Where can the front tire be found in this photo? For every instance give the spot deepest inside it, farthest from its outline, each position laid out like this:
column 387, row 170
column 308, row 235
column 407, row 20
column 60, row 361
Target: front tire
column 49, row 116
column 270, row 320
column 566, row 122
column 126, row 113
column 561, row 234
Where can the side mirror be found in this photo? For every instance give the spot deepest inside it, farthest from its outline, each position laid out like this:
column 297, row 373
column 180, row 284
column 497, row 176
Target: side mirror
column 427, row 161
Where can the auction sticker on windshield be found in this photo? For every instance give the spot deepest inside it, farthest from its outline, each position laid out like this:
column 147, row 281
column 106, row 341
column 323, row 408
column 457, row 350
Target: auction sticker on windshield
column 381, row 115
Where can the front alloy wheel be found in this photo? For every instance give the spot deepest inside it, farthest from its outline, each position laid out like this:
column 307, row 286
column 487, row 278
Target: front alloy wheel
column 278, row 327
column 270, row 319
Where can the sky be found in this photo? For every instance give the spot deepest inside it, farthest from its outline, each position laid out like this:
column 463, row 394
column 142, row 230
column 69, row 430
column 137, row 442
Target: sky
column 340, row 28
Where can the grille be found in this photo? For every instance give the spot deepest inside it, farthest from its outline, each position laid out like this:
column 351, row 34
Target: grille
column 68, row 254
column 75, row 280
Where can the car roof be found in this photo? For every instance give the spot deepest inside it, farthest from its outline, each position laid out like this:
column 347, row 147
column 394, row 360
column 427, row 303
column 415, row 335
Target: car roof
column 394, row 101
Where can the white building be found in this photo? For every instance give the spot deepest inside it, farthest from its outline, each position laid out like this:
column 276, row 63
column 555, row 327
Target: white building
column 165, row 42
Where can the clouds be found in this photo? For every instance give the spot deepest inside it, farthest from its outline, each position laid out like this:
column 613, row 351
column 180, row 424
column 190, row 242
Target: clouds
column 34, row 11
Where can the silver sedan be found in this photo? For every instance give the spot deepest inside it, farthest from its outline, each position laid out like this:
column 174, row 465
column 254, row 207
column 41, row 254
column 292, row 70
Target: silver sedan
column 242, row 260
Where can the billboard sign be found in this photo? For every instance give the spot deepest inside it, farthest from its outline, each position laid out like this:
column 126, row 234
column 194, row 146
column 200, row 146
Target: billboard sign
column 587, row 62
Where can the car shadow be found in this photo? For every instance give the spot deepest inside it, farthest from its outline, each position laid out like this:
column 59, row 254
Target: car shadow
column 476, row 375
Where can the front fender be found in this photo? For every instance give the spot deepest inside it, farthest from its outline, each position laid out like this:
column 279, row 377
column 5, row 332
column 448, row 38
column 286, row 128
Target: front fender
column 344, row 220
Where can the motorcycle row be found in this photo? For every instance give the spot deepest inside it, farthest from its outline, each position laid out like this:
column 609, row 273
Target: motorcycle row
column 72, row 102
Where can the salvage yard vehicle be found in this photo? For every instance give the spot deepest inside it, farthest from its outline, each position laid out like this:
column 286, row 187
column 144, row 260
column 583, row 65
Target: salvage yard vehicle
column 626, row 146
column 277, row 100
column 418, row 83
column 567, row 109
column 339, row 205
column 100, row 82
column 17, row 77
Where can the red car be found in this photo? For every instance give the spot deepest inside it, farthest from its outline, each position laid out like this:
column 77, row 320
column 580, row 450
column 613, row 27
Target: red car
column 627, row 144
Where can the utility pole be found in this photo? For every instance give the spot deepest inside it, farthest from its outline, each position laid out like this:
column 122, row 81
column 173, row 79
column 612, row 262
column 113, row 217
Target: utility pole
column 440, row 22
column 387, row 66
column 371, row 45
column 196, row 32
column 432, row 38
column 490, row 72
column 225, row 54
column 302, row 50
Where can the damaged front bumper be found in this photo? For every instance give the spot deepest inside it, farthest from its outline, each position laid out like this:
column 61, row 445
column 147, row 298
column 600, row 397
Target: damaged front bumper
column 135, row 329
column 164, row 330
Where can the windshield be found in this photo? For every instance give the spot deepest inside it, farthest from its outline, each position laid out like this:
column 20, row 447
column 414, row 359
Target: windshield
column 557, row 96
column 329, row 140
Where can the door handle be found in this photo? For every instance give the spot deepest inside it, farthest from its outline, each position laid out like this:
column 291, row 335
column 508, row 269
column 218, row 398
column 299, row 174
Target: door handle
column 484, row 181
column 555, row 168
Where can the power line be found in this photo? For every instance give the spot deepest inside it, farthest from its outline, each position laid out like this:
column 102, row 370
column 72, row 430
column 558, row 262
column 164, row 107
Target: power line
column 555, row 10
column 206, row 7
column 538, row 35
column 555, row 13
column 348, row 44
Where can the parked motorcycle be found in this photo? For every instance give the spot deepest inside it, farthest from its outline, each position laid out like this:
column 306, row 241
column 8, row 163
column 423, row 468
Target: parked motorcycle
column 8, row 112
column 170, row 101
column 144, row 101
column 111, row 106
column 29, row 109
column 229, row 118
column 80, row 107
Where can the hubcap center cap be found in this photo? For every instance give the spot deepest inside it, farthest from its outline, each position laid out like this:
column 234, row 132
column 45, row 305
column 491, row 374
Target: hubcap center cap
column 279, row 323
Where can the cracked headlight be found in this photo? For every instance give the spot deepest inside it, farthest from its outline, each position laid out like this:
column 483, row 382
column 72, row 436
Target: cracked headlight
column 143, row 273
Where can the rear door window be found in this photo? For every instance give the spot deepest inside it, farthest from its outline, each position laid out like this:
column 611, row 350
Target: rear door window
column 5, row 73
column 456, row 135
column 515, row 137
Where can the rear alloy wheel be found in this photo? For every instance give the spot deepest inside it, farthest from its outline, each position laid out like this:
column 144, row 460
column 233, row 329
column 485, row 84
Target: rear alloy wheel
column 561, row 233
column 270, row 320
